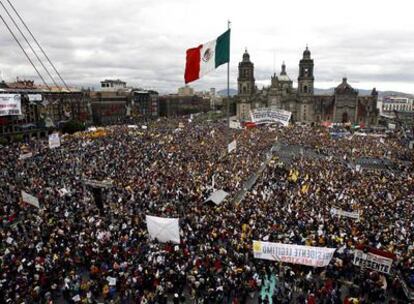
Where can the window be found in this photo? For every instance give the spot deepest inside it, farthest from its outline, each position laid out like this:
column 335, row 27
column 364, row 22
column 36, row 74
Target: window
column 305, row 89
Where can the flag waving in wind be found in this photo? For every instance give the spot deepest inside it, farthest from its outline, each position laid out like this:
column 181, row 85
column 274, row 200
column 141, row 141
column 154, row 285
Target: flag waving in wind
column 207, row 57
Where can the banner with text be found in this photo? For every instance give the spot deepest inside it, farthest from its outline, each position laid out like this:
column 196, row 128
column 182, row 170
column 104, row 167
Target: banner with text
column 10, row 104
column 270, row 115
column 372, row 261
column 295, row 254
column 340, row 212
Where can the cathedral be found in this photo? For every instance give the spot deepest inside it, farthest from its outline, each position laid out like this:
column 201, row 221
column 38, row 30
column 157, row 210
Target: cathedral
column 344, row 106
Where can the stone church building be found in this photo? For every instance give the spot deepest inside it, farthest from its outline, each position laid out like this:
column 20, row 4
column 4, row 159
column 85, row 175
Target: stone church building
column 344, row 106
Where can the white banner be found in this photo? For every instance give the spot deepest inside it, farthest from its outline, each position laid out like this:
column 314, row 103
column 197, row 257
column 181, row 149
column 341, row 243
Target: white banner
column 270, row 115
column 54, row 141
column 340, row 212
column 163, row 229
column 10, row 104
column 232, row 146
column 35, row 97
column 217, row 197
column 391, row 126
column 235, row 124
column 295, row 254
column 30, row 199
column 372, row 261
column 25, row 155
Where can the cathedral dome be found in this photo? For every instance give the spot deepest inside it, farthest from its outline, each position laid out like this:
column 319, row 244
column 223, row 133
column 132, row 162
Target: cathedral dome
column 345, row 88
column 283, row 75
column 306, row 53
column 246, row 56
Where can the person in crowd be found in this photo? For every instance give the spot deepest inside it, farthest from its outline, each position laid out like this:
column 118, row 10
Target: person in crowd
column 70, row 251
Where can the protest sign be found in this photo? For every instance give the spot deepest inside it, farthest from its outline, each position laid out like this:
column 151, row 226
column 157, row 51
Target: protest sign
column 295, row 254
column 372, row 261
column 232, row 146
column 340, row 212
column 35, row 97
column 30, row 199
column 54, row 141
column 10, row 104
column 217, row 197
column 234, row 124
column 163, row 229
column 270, row 115
column 25, row 155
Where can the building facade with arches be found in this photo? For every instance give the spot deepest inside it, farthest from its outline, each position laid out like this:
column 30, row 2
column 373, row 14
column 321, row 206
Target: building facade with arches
column 345, row 105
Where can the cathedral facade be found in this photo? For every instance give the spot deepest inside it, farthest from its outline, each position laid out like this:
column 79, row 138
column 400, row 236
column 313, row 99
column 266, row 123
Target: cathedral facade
column 344, row 106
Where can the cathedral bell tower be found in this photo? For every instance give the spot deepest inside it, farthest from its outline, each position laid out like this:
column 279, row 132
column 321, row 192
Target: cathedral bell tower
column 246, row 81
column 306, row 79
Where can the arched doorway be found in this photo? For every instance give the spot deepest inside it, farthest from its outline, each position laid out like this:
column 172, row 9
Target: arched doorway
column 345, row 117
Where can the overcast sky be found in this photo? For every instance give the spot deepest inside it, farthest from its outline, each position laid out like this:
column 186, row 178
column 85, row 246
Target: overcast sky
column 143, row 42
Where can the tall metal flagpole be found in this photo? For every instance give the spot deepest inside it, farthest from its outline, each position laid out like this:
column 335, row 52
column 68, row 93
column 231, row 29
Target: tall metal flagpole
column 228, row 94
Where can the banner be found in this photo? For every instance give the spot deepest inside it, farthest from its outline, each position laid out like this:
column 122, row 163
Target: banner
column 30, row 199
column 35, row 97
column 340, row 212
column 10, row 104
column 106, row 183
column 54, row 141
column 372, row 261
column 295, row 254
column 235, row 125
column 270, row 115
column 25, row 155
column 232, row 146
column 163, row 229
column 217, row 197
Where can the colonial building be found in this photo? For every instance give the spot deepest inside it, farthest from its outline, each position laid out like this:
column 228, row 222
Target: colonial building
column 43, row 110
column 117, row 103
column 174, row 105
column 344, row 106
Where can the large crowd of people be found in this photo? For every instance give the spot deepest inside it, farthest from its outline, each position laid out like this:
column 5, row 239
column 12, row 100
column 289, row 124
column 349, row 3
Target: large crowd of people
column 69, row 251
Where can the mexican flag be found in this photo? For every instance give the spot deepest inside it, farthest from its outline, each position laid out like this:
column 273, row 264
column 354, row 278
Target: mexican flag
column 207, row 57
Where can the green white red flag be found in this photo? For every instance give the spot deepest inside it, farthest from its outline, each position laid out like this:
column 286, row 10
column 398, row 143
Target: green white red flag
column 207, row 57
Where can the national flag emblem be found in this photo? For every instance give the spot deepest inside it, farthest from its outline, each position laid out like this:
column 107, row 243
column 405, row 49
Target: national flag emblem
column 207, row 57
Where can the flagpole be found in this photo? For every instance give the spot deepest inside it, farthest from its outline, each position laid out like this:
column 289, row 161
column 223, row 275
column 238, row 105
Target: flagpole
column 228, row 94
